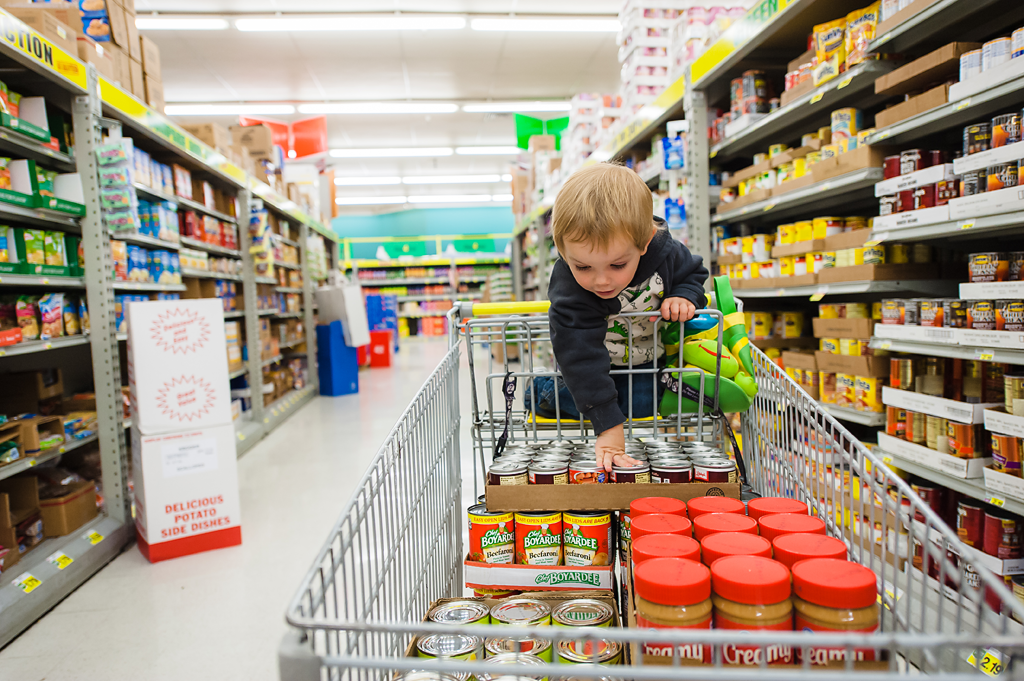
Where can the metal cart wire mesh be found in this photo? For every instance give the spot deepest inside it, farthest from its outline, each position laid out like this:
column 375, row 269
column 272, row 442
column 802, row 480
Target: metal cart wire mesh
column 398, row 543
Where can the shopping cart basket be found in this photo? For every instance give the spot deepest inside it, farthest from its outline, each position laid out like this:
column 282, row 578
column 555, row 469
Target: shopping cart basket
column 397, row 545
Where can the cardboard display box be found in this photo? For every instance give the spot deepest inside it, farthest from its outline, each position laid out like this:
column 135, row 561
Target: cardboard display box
column 896, row 19
column 852, row 161
column 809, row 279
column 138, row 81
column 888, row 272
column 64, row 514
column 843, row 328
column 800, row 360
column 935, row 67
column 25, row 391
column 854, row 239
column 122, row 66
column 937, row 96
column 118, row 19
column 150, row 57
column 52, row 22
column 35, row 429
column 19, row 501
column 797, row 183
column 134, row 44
column 795, row 93
column 213, row 134
column 526, row 577
column 750, row 197
column 602, row 497
column 791, row 154
column 154, row 93
column 93, row 53
column 867, row 366
column 258, row 139
column 746, row 173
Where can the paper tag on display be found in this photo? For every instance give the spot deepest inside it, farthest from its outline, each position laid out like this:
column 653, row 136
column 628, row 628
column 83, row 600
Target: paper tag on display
column 189, row 457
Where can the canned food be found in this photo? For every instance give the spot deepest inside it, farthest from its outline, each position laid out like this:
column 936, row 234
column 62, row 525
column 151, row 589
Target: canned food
column 672, row 471
column 1017, row 43
column 512, row 658
column 1009, row 315
column 492, row 536
column 911, row 311
column 970, row 65
column 936, row 433
column 977, row 137
column 964, row 440
column 590, row 652
column 586, row 472
column 507, row 473
column 896, row 422
column 989, row 266
column 1003, row 534
column 826, row 227
column 538, row 538
column 981, row 315
column 846, row 390
column 995, row 52
column 912, row 160
column 496, row 647
column 1006, row 454
column 901, row 373
column 970, row 522
column 954, row 313
column 1005, row 130
column 917, row 428
column 892, row 311
column 521, row 612
column 973, row 183
column 549, row 472
column 714, row 471
column 804, row 230
column 868, row 394
column 640, row 473
column 450, row 647
column 924, row 197
column 786, row 234
column 587, row 538
column 582, row 612
column 1001, row 176
column 946, row 190
column 891, row 167
column 460, row 612
column 1013, row 389
column 932, row 312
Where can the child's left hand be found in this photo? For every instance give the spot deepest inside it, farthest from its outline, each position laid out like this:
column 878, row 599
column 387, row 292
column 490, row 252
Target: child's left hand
column 677, row 310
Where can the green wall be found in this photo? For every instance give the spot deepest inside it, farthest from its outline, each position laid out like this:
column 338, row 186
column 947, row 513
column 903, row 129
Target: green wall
column 426, row 222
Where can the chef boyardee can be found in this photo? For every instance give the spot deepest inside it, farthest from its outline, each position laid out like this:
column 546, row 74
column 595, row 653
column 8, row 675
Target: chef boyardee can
column 532, row 646
column 460, row 612
column 521, row 612
column 590, row 652
column 511, row 658
column 582, row 612
column 451, row 646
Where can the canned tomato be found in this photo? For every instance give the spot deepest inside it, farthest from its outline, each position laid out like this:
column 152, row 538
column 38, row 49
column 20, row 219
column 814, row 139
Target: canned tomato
column 496, row 647
column 675, row 470
column 450, row 647
column 981, row 315
column 1006, row 454
column 1001, row 176
column 640, row 473
column 538, row 538
column 714, row 471
column 970, row 522
column 954, row 313
column 586, row 472
column 549, row 472
column 590, row 652
column 582, row 612
column 1005, row 130
column 977, row 137
column 521, row 612
column 507, row 473
column 460, row 612
column 1003, row 532
column 587, row 538
column 492, row 536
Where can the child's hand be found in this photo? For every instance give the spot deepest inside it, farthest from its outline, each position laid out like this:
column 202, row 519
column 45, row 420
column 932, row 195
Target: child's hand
column 677, row 310
column 610, row 449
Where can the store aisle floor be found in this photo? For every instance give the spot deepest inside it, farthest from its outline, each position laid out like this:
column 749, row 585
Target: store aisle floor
column 220, row 615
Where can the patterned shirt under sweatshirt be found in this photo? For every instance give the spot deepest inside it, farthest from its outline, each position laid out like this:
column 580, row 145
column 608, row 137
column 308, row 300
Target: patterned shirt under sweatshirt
column 645, row 297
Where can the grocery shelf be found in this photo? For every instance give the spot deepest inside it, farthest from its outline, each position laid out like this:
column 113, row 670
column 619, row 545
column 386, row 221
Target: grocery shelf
column 967, row 228
column 265, row 313
column 835, row 191
column 89, row 548
column 210, row 248
column 849, row 288
column 234, row 314
column 287, row 315
column 266, row 280
column 20, row 145
column 278, row 237
column 422, row 315
column 287, row 265
column 438, row 296
column 38, row 217
column 948, row 350
column 30, row 461
column 204, row 274
column 143, row 240
column 292, row 344
column 412, row 281
column 121, row 337
column 182, row 202
column 33, row 280
column 423, row 261
column 776, row 342
column 864, row 418
column 30, row 347
column 288, row 289
column 273, row 360
column 943, row 17
column 236, row 373
column 147, row 286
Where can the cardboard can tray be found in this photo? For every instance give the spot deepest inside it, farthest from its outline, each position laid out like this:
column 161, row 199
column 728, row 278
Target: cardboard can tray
column 600, row 497
column 538, row 577
column 24, row 127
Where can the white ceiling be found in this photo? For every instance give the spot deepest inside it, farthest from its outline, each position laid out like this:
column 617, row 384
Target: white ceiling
column 462, row 66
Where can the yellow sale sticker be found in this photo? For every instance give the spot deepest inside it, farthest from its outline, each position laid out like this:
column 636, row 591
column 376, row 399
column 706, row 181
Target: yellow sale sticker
column 991, row 662
column 963, row 104
column 996, row 501
column 817, row 97
column 27, row 583
column 967, row 225
column 846, row 81
column 769, row 207
column 94, row 537
column 60, row 560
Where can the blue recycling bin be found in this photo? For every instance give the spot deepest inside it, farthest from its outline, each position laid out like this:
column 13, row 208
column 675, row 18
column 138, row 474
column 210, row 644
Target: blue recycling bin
column 338, row 366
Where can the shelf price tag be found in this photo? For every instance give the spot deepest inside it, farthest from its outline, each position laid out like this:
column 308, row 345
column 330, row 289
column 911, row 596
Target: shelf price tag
column 93, row 537
column 60, row 560
column 884, row 135
column 713, row 154
column 963, row 104
column 769, row 207
column 825, row 187
column 817, row 97
column 819, row 294
column 884, row 345
column 991, row 661
column 984, row 355
column 887, row 460
column 846, row 81
column 241, row 436
column 876, row 239
column 996, row 501
column 27, row 582
column 967, row 225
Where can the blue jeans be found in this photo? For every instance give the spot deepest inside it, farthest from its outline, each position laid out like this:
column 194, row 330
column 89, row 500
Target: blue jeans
column 644, row 402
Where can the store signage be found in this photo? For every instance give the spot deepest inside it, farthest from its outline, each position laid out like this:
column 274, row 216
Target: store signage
column 41, row 50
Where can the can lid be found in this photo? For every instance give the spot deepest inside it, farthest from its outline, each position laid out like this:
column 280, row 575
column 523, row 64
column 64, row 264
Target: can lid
column 459, row 612
column 834, row 583
column 672, row 581
column 582, row 612
column 521, row 610
column 722, row 544
column 711, row 523
column 448, row 645
column 527, row 644
column 701, row 505
column 507, row 468
column 754, row 580
column 658, row 523
column 773, row 505
column 652, row 546
column 599, row 650
column 792, row 548
column 645, row 505
column 772, row 526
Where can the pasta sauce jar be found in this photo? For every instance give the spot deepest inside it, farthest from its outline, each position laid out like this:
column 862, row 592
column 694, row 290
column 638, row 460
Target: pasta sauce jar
column 752, row 593
column 673, row 593
column 832, row 595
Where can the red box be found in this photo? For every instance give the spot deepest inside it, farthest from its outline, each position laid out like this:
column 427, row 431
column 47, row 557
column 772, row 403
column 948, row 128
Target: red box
column 380, row 348
column 10, row 337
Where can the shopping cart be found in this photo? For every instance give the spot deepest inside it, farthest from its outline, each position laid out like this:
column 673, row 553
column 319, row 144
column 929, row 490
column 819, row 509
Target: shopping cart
column 398, row 543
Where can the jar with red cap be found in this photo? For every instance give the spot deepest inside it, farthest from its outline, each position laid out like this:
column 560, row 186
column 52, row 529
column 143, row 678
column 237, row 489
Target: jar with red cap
column 772, row 526
column 673, row 593
column 658, row 523
column 713, row 523
column 645, row 506
column 773, row 506
column 654, row 546
column 752, row 593
column 698, row 506
column 792, row 548
column 835, row 595
column 722, row 544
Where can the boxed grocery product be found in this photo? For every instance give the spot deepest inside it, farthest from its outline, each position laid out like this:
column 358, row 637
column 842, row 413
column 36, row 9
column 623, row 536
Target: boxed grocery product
column 91, row 52
column 41, row 432
column 150, row 58
column 65, row 513
column 213, row 134
column 55, row 21
column 937, row 66
column 257, row 139
column 19, row 501
column 906, row 11
column 154, row 92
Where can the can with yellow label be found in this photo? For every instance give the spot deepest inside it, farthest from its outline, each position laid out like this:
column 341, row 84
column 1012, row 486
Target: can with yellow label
column 846, row 390
column 787, row 234
column 868, row 394
column 899, row 254
column 830, row 345
column 787, row 266
column 828, row 259
column 792, row 324
column 827, row 311
column 762, row 325
column 804, row 230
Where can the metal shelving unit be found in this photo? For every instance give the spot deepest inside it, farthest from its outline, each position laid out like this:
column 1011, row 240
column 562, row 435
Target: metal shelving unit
column 852, row 186
column 209, row 248
column 143, row 240
column 847, row 288
column 147, row 287
column 31, row 347
column 183, row 202
column 203, row 274
column 863, row 418
column 33, row 280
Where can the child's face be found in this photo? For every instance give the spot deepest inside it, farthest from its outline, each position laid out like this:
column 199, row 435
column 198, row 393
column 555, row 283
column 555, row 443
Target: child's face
column 603, row 272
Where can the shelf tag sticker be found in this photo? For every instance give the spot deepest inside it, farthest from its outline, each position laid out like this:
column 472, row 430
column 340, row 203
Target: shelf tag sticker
column 963, row 104
column 984, row 355
column 27, row 582
column 241, row 436
column 31, row 462
column 713, row 154
column 817, row 97
column 997, row 501
column 884, row 135
column 884, row 345
column 48, row 346
column 846, row 81
column 967, row 225
column 991, row 661
column 887, row 460
column 266, row 419
column 93, row 537
column 886, row 38
column 60, row 560
column 825, row 187
column 769, row 207
column 45, row 281
column 819, row 294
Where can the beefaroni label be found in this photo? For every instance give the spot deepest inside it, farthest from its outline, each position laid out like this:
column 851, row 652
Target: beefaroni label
column 538, row 538
column 582, row 577
column 495, row 538
column 579, row 541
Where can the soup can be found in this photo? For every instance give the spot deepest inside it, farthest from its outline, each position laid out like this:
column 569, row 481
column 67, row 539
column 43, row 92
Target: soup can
column 891, row 167
column 675, row 470
column 587, row 538
column 492, row 536
column 549, row 472
column 640, row 473
column 964, row 440
column 970, row 522
column 507, row 473
column 1010, row 315
column 586, row 472
column 716, row 470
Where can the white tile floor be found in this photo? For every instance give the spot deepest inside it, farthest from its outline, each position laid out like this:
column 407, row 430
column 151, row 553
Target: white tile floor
column 220, row 615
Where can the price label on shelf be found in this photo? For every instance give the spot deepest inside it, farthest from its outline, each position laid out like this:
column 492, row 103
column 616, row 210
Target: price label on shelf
column 48, row 346
column 93, row 537
column 31, row 462
column 266, row 419
column 887, row 460
column 819, row 294
column 963, row 104
column 713, row 154
column 967, row 225
column 984, row 355
column 846, row 81
column 876, row 239
column 996, row 501
column 241, row 436
column 884, row 135
column 817, row 97
column 27, row 582
column 991, row 661
column 884, row 345
column 60, row 560
column 769, row 207
column 46, row 281
column 825, row 187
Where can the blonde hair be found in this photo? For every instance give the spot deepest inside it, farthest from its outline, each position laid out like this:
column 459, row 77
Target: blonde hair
column 600, row 202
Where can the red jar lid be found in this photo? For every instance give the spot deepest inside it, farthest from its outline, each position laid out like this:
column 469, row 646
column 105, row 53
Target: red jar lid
column 834, row 583
column 753, row 580
column 653, row 546
column 672, row 581
column 698, row 506
column 712, row 523
column 789, row 523
column 639, row 507
column 792, row 548
column 772, row 505
column 658, row 523
column 722, row 544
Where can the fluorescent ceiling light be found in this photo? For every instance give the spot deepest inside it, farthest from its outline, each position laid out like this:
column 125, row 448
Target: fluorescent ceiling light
column 547, row 25
column 451, row 198
column 507, row 177
column 487, row 151
column 502, row 198
column 365, row 181
column 378, row 108
column 450, row 179
column 159, row 22
column 516, row 107
column 368, row 200
column 351, row 23
column 228, row 109
column 397, row 152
